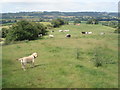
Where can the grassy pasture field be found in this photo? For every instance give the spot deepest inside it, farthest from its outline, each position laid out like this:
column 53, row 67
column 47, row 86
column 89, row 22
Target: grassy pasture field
column 65, row 62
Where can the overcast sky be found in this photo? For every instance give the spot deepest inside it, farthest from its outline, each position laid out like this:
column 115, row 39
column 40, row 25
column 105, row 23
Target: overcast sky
column 59, row 5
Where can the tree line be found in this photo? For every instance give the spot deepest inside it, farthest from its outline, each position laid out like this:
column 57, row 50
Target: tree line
column 26, row 30
column 56, row 13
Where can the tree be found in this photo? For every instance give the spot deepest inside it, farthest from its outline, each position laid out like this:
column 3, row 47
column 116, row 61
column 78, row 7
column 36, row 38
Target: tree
column 55, row 23
column 62, row 22
column 118, row 28
column 22, row 30
column 92, row 21
column 58, row 22
column 41, row 28
column 77, row 21
column 49, row 26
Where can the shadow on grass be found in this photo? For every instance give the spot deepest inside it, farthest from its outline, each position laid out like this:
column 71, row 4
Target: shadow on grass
column 38, row 65
column 35, row 66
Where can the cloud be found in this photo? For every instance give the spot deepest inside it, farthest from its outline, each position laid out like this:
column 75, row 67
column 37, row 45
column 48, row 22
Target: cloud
column 63, row 5
column 100, row 6
column 46, row 1
column 52, row 1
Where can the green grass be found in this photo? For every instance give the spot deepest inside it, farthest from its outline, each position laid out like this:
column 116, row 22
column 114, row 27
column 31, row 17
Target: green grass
column 65, row 62
column 45, row 23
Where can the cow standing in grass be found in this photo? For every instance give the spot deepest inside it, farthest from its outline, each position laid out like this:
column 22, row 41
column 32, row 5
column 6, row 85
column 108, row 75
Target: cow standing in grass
column 86, row 32
column 102, row 33
column 40, row 35
column 51, row 36
column 60, row 30
column 68, row 35
column 83, row 32
column 66, row 30
column 89, row 32
column 52, row 31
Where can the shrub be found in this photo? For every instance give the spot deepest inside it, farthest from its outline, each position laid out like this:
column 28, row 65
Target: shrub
column 58, row 22
column 103, row 56
column 113, row 24
column 55, row 23
column 49, row 26
column 77, row 21
column 98, row 59
column 79, row 53
column 24, row 30
column 41, row 28
column 4, row 32
column 117, row 31
column 62, row 22
column 92, row 21
column 118, row 28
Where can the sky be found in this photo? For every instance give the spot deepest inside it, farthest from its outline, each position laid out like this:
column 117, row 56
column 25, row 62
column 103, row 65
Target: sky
column 58, row 5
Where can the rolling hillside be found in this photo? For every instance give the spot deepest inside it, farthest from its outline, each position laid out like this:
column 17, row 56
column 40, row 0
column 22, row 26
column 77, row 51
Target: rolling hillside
column 65, row 62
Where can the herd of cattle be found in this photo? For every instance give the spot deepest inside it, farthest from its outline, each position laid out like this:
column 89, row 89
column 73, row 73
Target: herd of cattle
column 69, row 35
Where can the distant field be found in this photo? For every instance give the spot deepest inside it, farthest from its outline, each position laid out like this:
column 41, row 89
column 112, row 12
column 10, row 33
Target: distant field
column 65, row 62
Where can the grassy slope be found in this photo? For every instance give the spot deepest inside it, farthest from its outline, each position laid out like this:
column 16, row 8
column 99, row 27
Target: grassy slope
column 57, row 64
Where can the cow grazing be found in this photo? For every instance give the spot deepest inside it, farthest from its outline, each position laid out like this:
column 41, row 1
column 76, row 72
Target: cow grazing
column 77, row 24
column 52, row 31
column 51, row 36
column 40, row 35
column 66, row 30
column 60, row 30
column 68, row 35
column 102, row 33
column 89, row 32
column 86, row 32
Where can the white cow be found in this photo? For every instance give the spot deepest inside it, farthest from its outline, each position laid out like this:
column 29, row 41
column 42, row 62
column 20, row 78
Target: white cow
column 51, row 36
column 40, row 35
column 89, row 32
column 66, row 30
column 102, row 33
column 60, row 30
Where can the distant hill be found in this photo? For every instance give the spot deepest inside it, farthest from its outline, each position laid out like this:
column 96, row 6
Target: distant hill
column 56, row 14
